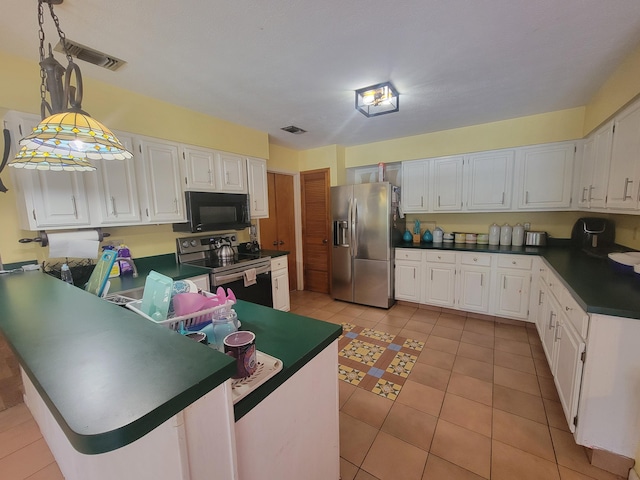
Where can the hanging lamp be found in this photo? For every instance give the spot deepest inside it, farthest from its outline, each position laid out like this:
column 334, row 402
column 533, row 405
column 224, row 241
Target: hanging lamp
column 67, row 138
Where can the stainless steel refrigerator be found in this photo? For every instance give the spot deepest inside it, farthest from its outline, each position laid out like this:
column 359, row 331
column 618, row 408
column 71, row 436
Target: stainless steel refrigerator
column 365, row 223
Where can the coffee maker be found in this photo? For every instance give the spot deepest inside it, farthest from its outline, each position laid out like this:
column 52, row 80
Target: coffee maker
column 594, row 235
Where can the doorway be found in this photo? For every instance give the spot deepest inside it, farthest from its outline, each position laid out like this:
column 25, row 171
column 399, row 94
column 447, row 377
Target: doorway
column 316, row 228
column 278, row 231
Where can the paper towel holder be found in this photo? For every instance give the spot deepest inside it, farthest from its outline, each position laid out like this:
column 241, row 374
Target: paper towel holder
column 43, row 239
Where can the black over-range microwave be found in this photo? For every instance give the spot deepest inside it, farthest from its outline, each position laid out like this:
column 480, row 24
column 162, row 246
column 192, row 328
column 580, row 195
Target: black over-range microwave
column 208, row 212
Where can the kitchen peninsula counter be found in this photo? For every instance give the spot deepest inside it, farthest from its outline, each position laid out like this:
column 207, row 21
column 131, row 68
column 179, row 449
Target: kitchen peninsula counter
column 109, row 376
column 594, row 284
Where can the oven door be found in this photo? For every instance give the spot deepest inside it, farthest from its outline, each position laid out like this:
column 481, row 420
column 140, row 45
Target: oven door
column 259, row 293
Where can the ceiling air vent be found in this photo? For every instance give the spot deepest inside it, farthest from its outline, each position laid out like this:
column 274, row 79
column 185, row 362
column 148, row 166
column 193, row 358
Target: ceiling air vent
column 293, row 129
column 90, row 55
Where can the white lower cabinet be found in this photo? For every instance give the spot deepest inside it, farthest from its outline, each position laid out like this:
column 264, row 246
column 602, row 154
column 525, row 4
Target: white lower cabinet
column 512, row 286
column 408, row 275
column 280, row 284
column 440, row 278
column 474, row 282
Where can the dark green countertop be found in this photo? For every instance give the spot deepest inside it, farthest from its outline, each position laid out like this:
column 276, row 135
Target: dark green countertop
column 108, row 375
column 594, row 284
column 294, row 339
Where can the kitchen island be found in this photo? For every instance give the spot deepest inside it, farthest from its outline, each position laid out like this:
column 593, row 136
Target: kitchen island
column 116, row 387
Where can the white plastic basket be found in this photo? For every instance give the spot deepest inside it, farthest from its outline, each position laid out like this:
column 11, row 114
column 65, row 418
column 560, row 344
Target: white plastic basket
column 190, row 320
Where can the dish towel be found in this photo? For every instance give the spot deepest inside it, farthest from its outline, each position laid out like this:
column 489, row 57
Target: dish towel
column 250, row 277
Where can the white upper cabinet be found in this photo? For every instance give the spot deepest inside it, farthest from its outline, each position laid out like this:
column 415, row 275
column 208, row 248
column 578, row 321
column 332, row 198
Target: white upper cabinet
column 117, row 189
column 415, row 186
column 160, row 180
column 447, row 184
column 624, row 173
column 258, row 193
column 233, row 172
column 200, row 172
column 594, row 171
column 489, row 180
column 544, row 175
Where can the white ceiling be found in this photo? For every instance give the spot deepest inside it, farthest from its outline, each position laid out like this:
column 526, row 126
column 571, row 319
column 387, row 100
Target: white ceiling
column 269, row 64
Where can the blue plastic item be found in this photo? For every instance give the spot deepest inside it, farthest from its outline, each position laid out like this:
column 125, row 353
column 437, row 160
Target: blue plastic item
column 100, row 274
column 407, row 237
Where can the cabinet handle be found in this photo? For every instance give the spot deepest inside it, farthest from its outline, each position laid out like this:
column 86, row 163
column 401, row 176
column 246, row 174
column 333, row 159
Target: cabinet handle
column 504, row 283
column 277, row 283
column 227, row 177
column 75, row 207
column 526, row 197
column 113, row 207
column 147, row 210
column 414, row 273
column 551, row 325
column 558, row 335
column 432, row 275
column 584, row 191
column 438, row 200
column 481, row 278
column 567, row 309
column 33, row 213
column 540, row 297
column 421, row 201
column 502, row 201
column 591, row 187
column 475, row 259
column 513, row 262
column 275, row 243
column 626, row 187
column 175, row 205
column 210, row 177
column 282, row 243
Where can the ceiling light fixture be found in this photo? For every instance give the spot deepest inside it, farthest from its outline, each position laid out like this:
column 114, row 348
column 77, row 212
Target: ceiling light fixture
column 67, row 138
column 377, row 99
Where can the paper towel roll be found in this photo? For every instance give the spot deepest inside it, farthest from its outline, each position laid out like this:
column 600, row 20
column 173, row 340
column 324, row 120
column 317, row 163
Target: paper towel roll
column 81, row 244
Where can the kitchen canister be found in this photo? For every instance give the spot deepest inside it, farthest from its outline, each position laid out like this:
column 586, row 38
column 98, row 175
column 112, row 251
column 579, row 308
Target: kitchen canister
column 517, row 236
column 505, row 234
column 494, row 234
column 437, row 235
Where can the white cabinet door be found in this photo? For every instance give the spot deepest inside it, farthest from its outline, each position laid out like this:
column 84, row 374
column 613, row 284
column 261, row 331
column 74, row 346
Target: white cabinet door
column 415, row 186
column 512, row 293
column 548, row 325
column 489, row 180
column 447, row 184
column 567, row 369
column 280, row 283
column 544, row 176
column 408, row 280
column 200, row 173
column 163, row 201
column 440, row 284
column 541, row 305
column 587, row 166
column 59, row 198
column 473, row 292
column 233, row 173
column 624, row 172
column 258, row 193
column 603, row 140
column 117, row 188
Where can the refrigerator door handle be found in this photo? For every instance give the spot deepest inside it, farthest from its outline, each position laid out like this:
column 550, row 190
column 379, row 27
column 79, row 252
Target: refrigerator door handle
column 354, row 227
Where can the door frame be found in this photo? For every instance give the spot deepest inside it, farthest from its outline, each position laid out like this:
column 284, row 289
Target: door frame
column 297, row 214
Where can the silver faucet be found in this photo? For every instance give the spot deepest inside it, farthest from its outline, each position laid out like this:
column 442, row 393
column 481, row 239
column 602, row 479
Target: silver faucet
column 129, row 260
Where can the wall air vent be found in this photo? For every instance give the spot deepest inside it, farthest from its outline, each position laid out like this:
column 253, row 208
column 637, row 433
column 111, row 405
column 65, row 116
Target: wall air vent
column 90, row 55
column 293, row 129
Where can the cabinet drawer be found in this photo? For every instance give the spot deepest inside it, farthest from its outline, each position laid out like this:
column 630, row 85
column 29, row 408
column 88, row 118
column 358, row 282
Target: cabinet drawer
column 578, row 317
column 408, row 254
column 521, row 262
column 441, row 257
column 475, row 259
column 279, row 263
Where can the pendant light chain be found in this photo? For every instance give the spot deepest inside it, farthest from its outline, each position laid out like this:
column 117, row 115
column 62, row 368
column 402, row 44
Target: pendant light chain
column 63, row 37
column 43, row 75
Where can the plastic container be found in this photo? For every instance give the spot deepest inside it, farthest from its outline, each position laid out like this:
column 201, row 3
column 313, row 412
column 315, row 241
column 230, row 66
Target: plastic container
column 437, row 235
column 471, row 238
column 624, row 262
column 494, row 234
column 505, row 234
column 517, row 235
column 222, row 327
column 65, row 274
column 482, row 239
column 459, row 237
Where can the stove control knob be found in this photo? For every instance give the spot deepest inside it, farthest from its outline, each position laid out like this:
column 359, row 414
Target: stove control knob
column 185, row 244
column 194, row 243
column 233, row 238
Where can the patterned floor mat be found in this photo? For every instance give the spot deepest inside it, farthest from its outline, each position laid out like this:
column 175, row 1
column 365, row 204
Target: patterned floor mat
column 376, row 361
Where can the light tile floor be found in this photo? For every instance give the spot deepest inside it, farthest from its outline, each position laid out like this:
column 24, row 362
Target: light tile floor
column 479, row 402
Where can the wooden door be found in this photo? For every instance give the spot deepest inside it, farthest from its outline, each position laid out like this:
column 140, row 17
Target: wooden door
column 278, row 231
column 316, row 229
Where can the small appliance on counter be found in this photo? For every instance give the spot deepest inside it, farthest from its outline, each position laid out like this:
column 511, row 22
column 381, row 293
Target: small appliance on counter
column 535, row 239
column 595, row 236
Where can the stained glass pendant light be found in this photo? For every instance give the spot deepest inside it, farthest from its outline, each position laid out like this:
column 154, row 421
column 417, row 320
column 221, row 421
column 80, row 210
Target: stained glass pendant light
column 67, row 138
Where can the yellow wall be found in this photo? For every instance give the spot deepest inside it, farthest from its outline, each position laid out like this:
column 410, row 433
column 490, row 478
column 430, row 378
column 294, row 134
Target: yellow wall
column 530, row 130
column 122, row 110
column 619, row 89
column 323, row 157
column 283, row 159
